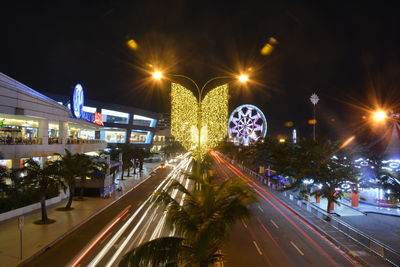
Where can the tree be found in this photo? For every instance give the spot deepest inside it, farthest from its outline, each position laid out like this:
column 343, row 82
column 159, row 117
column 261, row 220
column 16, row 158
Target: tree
column 42, row 179
column 86, row 167
column 327, row 164
column 127, row 157
column 202, row 223
column 67, row 168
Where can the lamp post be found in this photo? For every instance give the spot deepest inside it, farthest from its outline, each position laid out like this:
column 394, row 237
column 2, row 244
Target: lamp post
column 241, row 78
column 314, row 100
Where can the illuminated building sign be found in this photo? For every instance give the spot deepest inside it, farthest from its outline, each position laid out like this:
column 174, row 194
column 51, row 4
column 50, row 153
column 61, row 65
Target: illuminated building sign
column 77, row 103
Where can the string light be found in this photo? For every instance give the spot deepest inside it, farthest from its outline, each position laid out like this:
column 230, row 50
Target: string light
column 187, row 117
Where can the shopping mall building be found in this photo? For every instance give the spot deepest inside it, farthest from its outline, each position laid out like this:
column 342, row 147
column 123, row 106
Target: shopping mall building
column 33, row 125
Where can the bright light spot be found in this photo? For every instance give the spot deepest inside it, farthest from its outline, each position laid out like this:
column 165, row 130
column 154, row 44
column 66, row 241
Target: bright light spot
column 282, row 140
column 380, row 116
column 243, row 78
column 157, row 75
column 132, row 44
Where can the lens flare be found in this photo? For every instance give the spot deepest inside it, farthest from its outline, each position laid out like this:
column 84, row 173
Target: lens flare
column 380, row 116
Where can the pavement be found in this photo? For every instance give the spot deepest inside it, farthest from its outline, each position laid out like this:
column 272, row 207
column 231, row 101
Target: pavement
column 37, row 237
column 372, row 208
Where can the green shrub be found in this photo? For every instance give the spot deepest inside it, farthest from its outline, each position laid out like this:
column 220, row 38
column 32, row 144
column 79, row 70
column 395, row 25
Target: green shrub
column 18, row 199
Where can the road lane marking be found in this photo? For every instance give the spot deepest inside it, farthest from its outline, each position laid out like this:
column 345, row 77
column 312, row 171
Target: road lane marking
column 277, row 227
column 259, row 207
column 294, row 245
column 257, row 247
column 245, row 225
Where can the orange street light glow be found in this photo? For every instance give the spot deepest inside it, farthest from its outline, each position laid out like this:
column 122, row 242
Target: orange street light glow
column 380, row 116
column 157, row 75
column 243, row 78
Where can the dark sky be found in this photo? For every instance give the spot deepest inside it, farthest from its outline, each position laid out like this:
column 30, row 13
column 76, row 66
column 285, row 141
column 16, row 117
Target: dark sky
column 347, row 52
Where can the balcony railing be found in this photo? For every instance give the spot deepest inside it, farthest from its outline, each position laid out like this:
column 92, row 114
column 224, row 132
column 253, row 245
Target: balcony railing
column 55, row 140
column 20, row 141
column 51, row 141
column 83, row 141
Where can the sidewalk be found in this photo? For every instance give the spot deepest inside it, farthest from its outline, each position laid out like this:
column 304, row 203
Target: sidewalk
column 344, row 209
column 374, row 209
column 37, row 237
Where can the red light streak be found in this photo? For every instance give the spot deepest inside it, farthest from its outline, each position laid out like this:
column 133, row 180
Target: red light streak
column 243, row 177
column 76, row 263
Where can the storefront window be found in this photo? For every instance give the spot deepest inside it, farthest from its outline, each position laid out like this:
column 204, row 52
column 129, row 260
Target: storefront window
column 17, row 131
column 6, row 163
column 54, row 128
column 87, row 134
column 113, row 136
column 140, row 137
column 143, row 121
column 115, row 116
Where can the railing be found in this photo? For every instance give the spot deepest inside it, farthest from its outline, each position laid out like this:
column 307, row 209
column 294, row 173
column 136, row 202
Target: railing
column 55, row 140
column 382, row 250
column 20, row 141
column 83, row 141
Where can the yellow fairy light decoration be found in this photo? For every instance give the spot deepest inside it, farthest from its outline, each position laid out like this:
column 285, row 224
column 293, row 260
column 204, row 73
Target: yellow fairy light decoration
column 188, row 116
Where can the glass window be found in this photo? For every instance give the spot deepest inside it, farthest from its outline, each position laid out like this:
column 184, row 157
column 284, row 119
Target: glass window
column 87, row 134
column 113, row 136
column 6, row 163
column 115, row 116
column 143, row 121
column 141, row 137
column 54, row 127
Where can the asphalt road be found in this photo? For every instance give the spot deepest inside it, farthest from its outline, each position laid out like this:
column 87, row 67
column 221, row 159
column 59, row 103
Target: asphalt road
column 104, row 239
column 274, row 235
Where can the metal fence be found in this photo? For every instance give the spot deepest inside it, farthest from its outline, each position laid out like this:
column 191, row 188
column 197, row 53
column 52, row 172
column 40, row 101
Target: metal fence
column 387, row 253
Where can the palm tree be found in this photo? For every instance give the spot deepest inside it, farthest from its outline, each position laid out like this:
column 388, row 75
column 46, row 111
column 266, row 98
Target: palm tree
column 202, row 223
column 67, row 168
column 42, row 179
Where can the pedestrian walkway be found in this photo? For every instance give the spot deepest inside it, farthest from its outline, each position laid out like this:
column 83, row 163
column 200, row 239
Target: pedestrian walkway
column 374, row 209
column 37, row 237
column 343, row 209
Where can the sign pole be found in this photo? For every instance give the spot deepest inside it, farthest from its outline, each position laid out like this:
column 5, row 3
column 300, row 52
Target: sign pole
column 20, row 226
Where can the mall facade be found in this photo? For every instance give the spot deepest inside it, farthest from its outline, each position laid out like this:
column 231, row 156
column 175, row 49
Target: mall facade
column 121, row 124
column 33, row 125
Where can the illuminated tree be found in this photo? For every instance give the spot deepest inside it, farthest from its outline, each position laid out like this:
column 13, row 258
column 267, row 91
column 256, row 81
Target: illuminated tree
column 199, row 124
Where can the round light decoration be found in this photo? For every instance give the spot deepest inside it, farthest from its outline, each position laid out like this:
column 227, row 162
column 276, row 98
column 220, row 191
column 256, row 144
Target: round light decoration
column 77, row 101
column 247, row 124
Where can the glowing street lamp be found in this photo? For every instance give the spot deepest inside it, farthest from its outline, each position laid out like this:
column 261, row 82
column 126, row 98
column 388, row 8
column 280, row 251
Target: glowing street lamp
column 243, row 78
column 380, row 116
column 157, row 75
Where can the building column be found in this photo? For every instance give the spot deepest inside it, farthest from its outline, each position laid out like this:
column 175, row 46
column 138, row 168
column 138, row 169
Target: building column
column 63, row 131
column 44, row 131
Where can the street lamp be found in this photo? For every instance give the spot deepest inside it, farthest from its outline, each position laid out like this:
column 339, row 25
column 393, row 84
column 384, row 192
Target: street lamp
column 314, row 100
column 198, row 117
column 380, row 116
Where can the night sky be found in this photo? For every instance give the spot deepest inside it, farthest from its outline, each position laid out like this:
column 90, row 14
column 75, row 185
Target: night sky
column 347, row 52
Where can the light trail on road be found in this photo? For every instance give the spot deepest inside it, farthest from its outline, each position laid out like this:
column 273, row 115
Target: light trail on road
column 263, row 194
column 150, row 213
